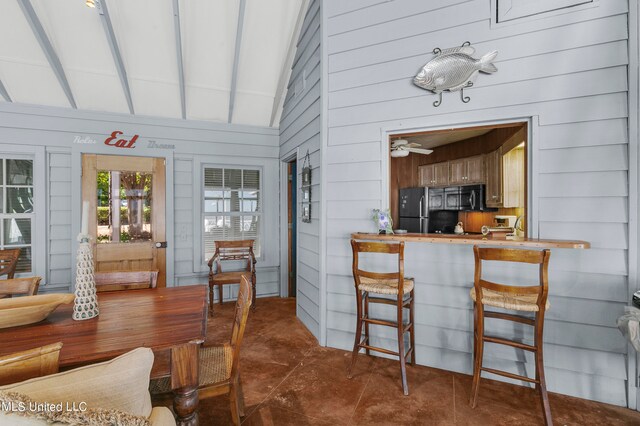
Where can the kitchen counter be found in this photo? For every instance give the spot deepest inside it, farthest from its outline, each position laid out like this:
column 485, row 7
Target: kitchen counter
column 474, row 239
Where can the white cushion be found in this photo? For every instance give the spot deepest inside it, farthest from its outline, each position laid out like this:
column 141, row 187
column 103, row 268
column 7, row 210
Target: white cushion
column 120, row 384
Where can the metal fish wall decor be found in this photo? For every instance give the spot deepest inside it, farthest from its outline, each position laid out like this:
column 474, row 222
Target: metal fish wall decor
column 453, row 69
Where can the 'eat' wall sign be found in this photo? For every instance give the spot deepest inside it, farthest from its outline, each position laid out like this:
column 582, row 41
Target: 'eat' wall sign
column 120, row 143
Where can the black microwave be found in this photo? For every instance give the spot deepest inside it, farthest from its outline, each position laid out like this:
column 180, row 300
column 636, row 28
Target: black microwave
column 472, row 198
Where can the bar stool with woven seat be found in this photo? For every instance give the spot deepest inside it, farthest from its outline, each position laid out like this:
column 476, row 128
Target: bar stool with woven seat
column 389, row 283
column 519, row 298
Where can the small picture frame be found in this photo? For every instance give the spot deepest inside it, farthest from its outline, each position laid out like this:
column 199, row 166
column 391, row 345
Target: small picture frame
column 382, row 219
column 306, row 194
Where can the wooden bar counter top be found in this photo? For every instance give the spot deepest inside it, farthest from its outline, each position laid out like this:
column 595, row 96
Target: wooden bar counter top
column 474, row 239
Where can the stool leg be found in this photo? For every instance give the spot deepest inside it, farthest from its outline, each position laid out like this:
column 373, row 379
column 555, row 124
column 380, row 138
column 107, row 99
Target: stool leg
column 412, row 331
column 253, row 294
column 366, row 324
column 220, row 294
column 478, row 332
column 356, row 343
column 403, row 366
column 210, row 299
column 542, row 386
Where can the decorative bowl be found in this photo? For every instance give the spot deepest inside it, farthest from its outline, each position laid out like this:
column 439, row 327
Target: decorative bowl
column 30, row 309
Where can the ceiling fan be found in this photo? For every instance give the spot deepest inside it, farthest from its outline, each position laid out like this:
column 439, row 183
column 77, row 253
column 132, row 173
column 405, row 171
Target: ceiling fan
column 402, row 148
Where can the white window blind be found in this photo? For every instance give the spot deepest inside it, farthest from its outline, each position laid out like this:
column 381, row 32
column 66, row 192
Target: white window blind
column 16, row 209
column 232, row 207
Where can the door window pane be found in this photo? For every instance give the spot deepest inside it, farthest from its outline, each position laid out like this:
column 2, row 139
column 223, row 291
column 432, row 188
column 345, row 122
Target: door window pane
column 124, row 206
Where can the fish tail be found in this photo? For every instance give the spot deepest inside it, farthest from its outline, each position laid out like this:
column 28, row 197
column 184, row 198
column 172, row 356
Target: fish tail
column 485, row 63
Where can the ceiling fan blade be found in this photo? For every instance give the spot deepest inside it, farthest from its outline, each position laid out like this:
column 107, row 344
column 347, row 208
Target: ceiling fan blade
column 420, row 150
column 399, row 142
column 412, row 145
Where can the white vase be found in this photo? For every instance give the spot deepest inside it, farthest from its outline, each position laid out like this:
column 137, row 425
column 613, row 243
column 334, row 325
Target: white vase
column 85, row 305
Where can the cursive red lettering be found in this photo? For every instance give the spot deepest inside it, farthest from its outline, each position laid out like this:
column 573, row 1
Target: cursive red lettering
column 113, row 136
column 132, row 142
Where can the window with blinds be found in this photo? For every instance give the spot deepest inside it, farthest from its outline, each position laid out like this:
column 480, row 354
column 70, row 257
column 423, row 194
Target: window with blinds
column 16, row 209
column 232, row 207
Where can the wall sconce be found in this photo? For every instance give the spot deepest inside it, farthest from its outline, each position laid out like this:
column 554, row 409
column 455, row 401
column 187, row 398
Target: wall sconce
column 306, row 189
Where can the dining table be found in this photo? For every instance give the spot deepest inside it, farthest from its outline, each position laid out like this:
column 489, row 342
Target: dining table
column 172, row 322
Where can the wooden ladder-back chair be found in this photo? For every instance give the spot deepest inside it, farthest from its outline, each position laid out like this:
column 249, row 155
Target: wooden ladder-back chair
column 19, row 287
column 241, row 250
column 125, row 280
column 219, row 367
column 28, row 364
column 532, row 299
column 9, row 261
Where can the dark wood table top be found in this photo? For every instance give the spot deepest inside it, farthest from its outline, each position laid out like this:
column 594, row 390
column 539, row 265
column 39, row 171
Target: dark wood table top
column 158, row 318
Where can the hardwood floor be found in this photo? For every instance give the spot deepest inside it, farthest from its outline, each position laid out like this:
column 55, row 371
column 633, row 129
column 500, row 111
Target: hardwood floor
column 289, row 380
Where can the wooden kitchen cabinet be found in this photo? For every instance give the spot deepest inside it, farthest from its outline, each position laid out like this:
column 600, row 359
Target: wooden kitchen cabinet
column 466, row 170
column 434, row 174
column 493, row 167
column 475, row 169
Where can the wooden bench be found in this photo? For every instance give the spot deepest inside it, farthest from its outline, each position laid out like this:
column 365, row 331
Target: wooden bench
column 125, row 280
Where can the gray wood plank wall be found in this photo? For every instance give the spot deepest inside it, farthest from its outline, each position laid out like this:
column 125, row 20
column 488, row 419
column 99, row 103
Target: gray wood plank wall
column 565, row 71
column 56, row 128
column 300, row 128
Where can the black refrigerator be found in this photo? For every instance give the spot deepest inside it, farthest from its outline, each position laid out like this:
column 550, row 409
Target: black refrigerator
column 414, row 209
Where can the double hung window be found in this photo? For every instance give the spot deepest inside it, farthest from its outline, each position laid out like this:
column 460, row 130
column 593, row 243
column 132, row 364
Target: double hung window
column 17, row 208
column 232, row 207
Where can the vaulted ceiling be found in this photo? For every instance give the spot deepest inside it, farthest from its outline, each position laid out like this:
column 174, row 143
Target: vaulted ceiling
column 217, row 60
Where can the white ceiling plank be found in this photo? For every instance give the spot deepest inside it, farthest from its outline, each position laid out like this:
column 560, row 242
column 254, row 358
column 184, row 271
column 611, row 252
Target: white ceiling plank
column 236, row 59
column 268, row 28
column 4, row 93
column 146, row 37
column 285, row 73
column 208, row 31
column 176, row 20
column 101, row 5
column 47, row 49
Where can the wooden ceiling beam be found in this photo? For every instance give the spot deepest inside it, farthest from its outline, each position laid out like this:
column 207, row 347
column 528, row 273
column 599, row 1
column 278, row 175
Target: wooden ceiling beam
column 101, row 5
column 236, row 59
column 47, row 48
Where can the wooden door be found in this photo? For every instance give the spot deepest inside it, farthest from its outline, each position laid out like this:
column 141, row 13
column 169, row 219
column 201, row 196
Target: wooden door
column 475, row 169
column 457, row 171
column 292, row 216
column 493, row 167
column 127, row 226
column 441, row 174
column 427, row 177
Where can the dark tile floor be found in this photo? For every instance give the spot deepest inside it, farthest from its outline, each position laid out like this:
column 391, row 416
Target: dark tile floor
column 289, row 380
